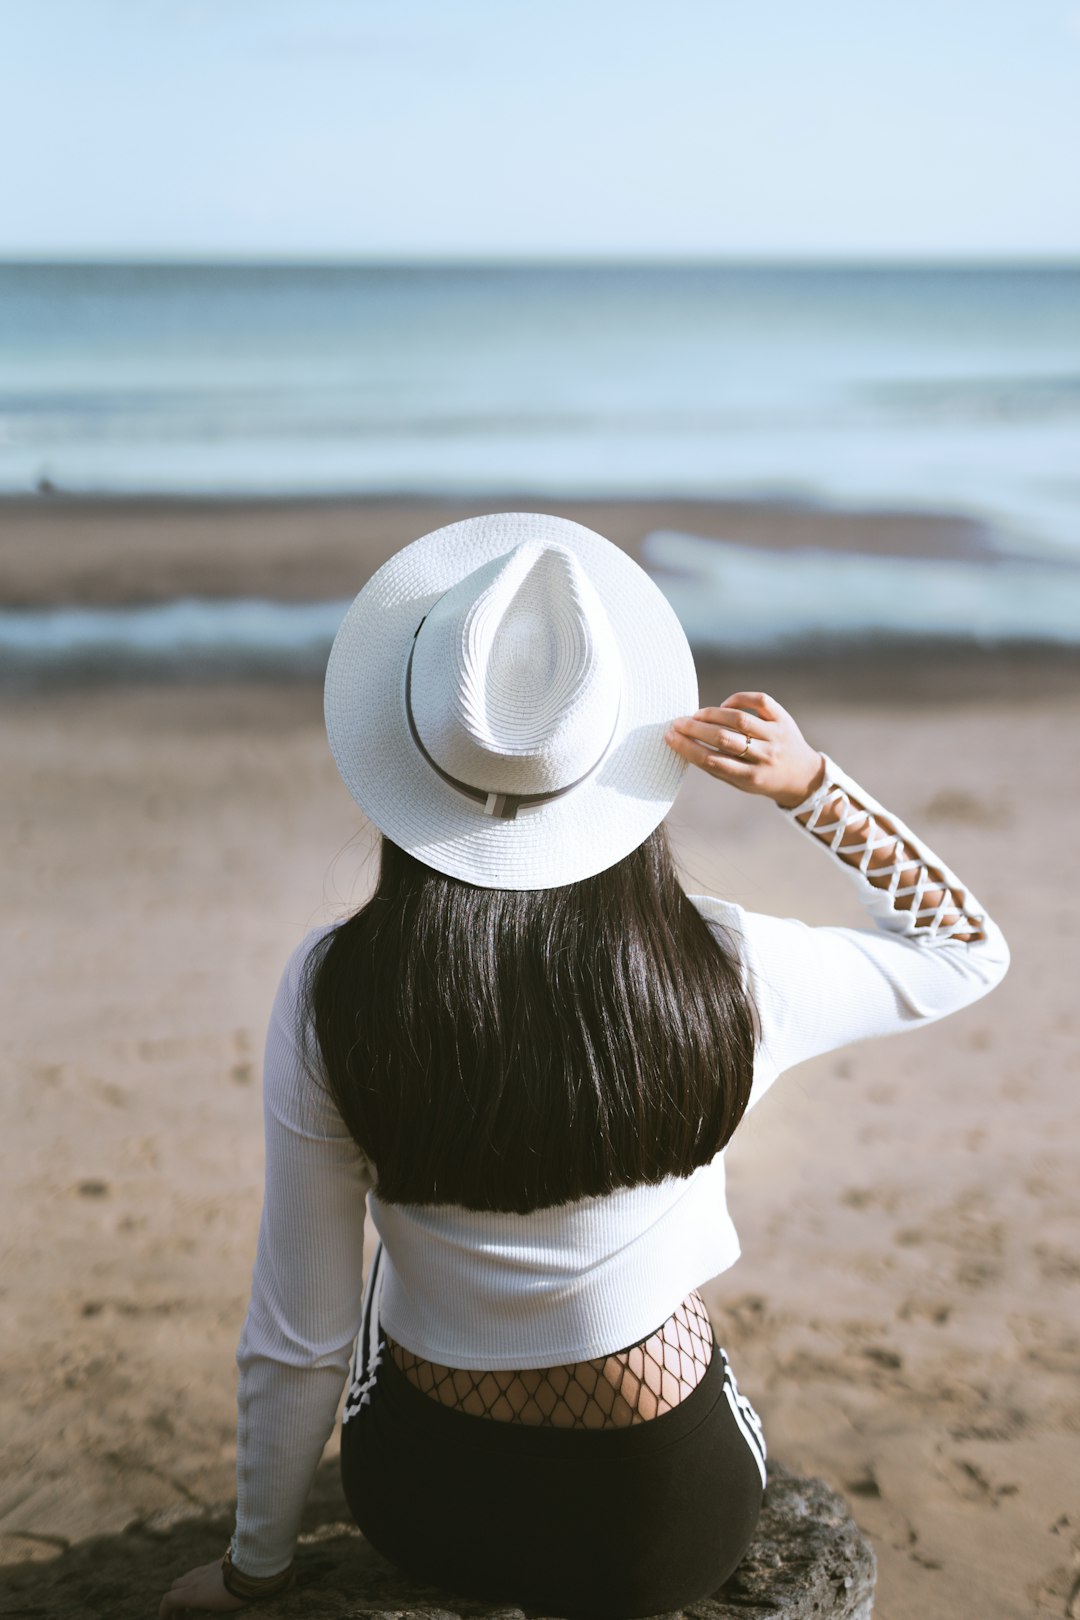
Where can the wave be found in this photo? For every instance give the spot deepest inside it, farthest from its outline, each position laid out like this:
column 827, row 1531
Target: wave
column 191, row 638
column 730, row 598
column 739, row 598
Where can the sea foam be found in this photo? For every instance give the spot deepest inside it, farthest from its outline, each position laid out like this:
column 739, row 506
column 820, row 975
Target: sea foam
column 742, row 598
column 729, row 597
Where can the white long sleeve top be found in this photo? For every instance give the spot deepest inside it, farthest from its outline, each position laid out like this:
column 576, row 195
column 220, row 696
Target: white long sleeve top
column 477, row 1289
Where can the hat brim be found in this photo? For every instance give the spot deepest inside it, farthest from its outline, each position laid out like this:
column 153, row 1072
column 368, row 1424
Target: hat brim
column 573, row 837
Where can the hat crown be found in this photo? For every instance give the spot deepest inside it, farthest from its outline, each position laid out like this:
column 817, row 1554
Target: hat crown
column 516, row 676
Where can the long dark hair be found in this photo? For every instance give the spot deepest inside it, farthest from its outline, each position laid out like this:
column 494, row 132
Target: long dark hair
column 511, row 1049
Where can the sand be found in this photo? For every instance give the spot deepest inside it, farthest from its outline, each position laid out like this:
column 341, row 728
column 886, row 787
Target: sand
column 906, row 1313
column 107, row 551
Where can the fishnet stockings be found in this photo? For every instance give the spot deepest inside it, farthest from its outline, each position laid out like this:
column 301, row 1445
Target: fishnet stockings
column 858, row 837
column 626, row 1387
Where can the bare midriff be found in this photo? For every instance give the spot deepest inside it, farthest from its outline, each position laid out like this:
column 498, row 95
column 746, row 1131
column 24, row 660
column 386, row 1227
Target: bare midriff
column 625, row 1387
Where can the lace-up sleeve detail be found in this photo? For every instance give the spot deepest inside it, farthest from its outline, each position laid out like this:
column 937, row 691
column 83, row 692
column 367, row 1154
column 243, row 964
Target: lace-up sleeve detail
column 923, row 897
column 933, row 948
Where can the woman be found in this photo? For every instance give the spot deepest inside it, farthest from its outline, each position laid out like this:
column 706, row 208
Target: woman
column 526, row 1052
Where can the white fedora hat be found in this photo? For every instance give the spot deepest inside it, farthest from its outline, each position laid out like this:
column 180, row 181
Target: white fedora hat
column 497, row 696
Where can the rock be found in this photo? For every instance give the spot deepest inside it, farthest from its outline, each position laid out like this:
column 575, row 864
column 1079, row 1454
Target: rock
column 808, row 1561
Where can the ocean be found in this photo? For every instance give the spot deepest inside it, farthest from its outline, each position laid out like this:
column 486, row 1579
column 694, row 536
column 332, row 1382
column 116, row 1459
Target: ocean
column 910, row 388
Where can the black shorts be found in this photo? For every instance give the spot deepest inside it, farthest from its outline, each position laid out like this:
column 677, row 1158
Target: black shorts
column 591, row 1524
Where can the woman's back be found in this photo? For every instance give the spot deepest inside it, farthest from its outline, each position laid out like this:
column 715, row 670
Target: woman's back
column 502, row 1290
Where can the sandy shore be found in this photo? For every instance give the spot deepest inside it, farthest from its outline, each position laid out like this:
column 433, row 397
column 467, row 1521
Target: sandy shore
column 906, row 1314
column 108, row 551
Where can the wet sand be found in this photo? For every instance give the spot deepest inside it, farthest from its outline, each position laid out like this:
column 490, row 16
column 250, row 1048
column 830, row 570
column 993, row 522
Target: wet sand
column 67, row 550
column 906, row 1313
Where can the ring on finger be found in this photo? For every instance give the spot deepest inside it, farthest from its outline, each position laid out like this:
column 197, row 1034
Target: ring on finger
column 723, row 750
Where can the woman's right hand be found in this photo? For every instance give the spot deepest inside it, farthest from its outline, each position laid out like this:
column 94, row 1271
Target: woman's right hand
column 751, row 742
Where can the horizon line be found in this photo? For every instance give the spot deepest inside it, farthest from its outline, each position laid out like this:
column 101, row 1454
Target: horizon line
column 837, row 261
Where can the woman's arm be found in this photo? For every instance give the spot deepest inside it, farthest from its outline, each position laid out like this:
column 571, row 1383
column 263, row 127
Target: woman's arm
column 933, row 948
column 304, row 1313
column 306, row 1293
column 859, row 831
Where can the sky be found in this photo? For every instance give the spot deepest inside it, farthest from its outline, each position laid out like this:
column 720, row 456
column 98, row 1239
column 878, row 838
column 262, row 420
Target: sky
column 553, row 129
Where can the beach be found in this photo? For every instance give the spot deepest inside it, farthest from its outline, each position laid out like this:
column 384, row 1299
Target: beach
column 906, row 1312
column 107, row 551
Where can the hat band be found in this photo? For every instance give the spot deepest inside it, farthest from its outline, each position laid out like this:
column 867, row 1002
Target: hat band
column 502, row 806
